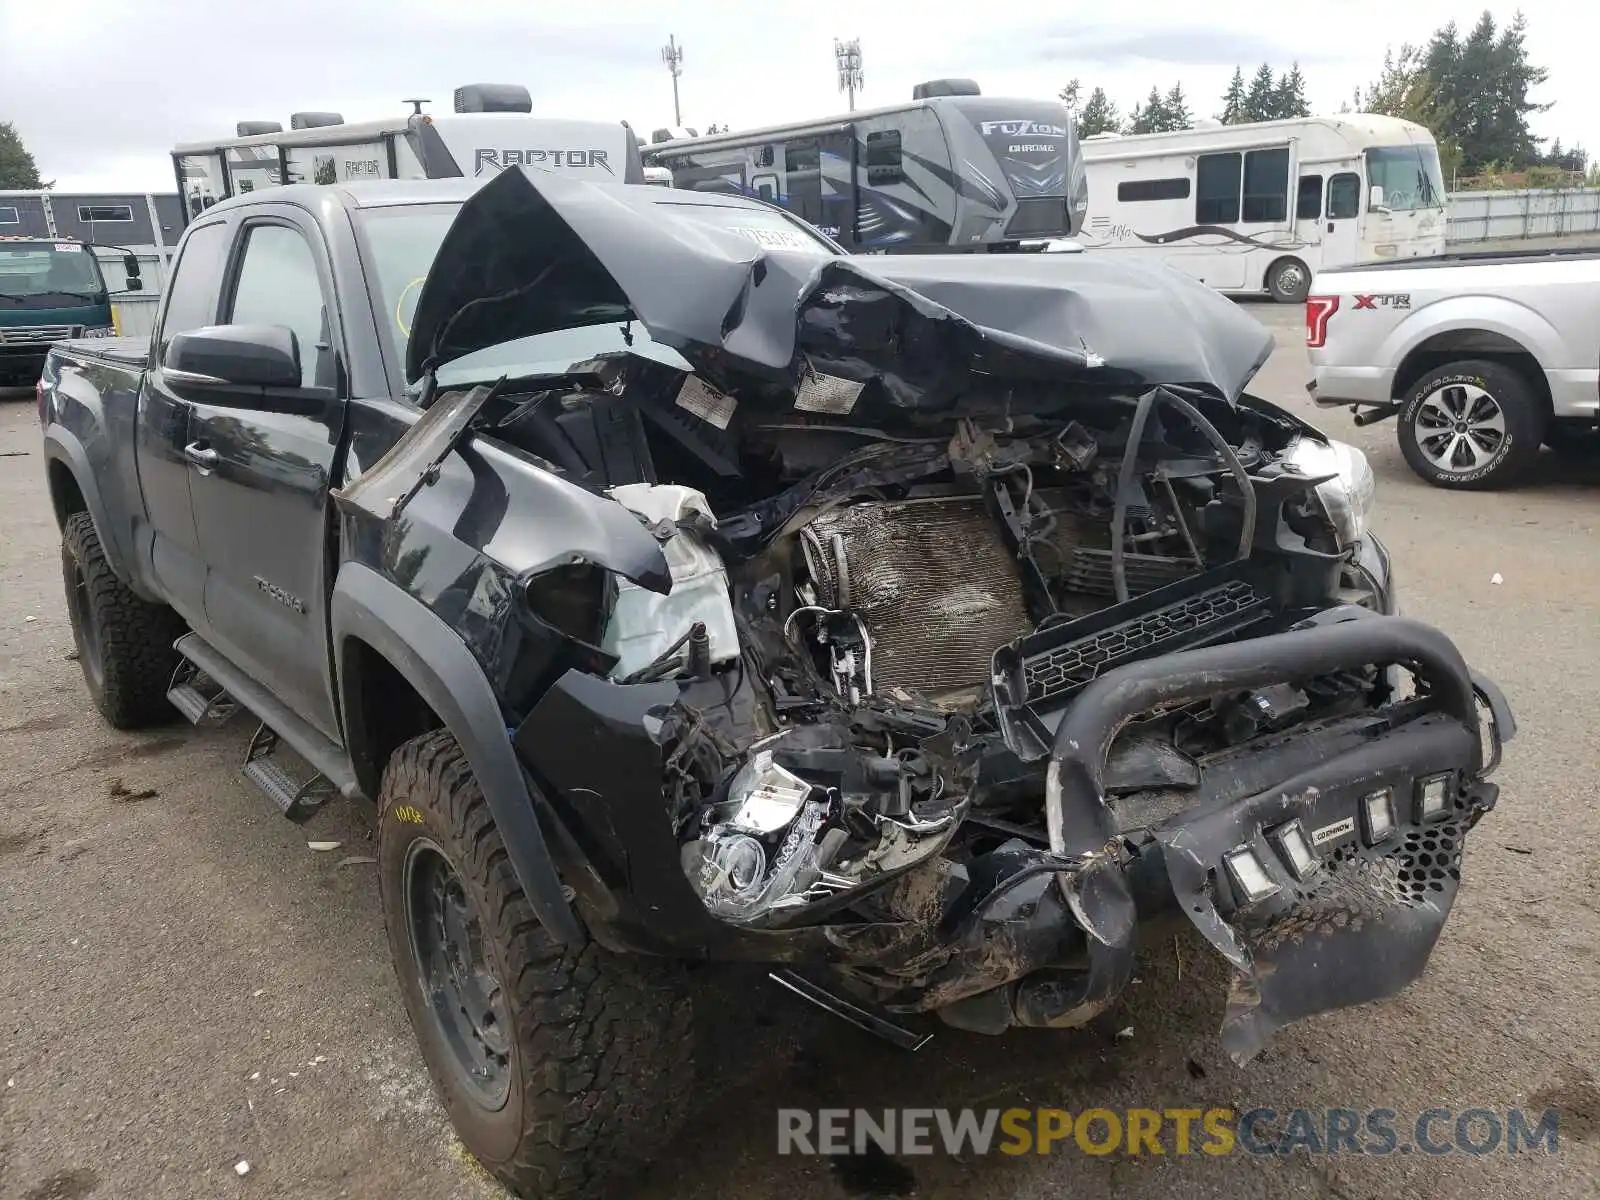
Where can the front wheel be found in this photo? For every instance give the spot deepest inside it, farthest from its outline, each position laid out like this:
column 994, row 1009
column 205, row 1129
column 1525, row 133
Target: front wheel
column 1471, row 425
column 562, row 1067
column 1289, row 281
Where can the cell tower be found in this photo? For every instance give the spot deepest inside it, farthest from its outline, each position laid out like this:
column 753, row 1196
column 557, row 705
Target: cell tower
column 672, row 55
column 848, row 57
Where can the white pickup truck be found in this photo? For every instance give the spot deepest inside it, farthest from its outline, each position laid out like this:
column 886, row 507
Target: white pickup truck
column 1484, row 357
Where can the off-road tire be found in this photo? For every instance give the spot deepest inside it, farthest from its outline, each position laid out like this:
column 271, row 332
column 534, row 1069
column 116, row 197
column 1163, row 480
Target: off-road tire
column 124, row 643
column 1525, row 423
column 601, row 1054
column 1279, row 285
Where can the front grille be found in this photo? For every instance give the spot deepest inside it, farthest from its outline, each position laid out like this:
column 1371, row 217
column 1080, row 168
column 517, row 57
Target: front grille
column 30, row 335
column 1038, row 218
column 1064, row 658
column 932, row 580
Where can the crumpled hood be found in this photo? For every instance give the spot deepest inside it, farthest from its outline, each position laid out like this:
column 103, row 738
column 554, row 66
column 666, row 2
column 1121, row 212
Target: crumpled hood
column 740, row 292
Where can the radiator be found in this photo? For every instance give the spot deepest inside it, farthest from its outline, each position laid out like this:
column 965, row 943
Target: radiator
column 932, row 580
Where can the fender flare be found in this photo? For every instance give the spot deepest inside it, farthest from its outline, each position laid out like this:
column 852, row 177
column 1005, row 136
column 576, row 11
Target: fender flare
column 62, row 445
column 1506, row 318
column 436, row 662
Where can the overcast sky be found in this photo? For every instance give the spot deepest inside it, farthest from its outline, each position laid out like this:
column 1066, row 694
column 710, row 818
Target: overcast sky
column 101, row 94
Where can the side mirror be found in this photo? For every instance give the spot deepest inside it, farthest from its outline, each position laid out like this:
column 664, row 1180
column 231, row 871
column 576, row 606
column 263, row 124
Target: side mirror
column 1375, row 199
column 130, row 267
column 266, row 356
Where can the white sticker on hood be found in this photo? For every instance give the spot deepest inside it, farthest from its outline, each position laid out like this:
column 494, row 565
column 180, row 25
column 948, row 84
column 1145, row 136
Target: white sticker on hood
column 827, row 394
column 705, row 402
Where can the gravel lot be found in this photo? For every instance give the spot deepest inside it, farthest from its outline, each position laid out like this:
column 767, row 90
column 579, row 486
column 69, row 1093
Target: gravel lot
column 187, row 985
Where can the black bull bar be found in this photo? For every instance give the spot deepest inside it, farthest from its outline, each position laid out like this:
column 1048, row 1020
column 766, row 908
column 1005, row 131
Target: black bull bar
column 1363, row 925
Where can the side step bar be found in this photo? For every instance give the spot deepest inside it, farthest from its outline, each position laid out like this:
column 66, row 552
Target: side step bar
column 232, row 690
column 297, row 801
column 200, row 699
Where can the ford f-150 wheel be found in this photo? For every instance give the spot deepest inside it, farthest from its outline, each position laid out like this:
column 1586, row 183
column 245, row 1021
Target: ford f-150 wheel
column 1471, row 425
column 124, row 643
column 562, row 1067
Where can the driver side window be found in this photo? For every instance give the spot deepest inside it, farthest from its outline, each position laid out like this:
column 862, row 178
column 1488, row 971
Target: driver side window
column 278, row 285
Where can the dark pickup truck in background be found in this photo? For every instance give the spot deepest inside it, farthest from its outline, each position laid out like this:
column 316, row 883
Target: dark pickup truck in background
column 680, row 588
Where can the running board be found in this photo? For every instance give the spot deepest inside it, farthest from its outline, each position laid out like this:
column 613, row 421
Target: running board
column 297, row 801
column 200, row 698
column 326, row 758
column 856, row 1012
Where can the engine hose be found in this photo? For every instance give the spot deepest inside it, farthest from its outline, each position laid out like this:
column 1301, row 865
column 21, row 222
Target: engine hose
column 1119, row 511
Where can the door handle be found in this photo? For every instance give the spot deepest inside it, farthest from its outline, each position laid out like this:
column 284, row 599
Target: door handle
column 200, row 454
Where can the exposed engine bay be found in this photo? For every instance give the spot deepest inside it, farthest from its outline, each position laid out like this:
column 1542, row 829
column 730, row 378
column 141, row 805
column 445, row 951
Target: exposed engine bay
column 865, row 669
column 957, row 647
column 862, row 606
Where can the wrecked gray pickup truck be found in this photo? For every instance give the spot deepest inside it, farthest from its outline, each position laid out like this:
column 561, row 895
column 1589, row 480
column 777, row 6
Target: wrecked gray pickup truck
column 920, row 627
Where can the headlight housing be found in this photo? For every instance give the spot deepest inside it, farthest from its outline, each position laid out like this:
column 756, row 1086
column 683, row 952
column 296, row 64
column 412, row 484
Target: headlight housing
column 1349, row 497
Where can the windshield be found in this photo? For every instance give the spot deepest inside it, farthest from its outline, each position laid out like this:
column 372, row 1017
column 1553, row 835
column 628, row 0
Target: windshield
column 1409, row 176
column 41, row 274
column 404, row 241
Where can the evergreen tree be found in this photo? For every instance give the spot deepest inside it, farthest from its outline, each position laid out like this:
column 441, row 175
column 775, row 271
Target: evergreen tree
column 1261, row 100
column 1099, row 115
column 1472, row 93
column 17, row 168
column 1406, row 89
column 1177, row 115
column 1290, row 100
column 1233, row 100
column 1149, row 117
column 1069, row 95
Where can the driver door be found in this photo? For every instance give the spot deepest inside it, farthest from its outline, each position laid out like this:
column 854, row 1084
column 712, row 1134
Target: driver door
column 262, row 468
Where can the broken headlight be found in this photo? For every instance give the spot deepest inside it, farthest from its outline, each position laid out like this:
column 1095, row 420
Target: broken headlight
column 1349, row 497
column 777, row 840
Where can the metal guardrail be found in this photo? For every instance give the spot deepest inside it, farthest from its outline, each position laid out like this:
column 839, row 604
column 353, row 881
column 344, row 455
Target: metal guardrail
column 1524, row 213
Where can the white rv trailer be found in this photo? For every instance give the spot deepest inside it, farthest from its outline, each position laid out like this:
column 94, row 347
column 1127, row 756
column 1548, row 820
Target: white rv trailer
column 490, row 129
column 1261, row 207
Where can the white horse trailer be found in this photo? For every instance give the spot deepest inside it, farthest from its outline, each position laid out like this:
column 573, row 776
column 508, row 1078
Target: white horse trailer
column 1261, row 207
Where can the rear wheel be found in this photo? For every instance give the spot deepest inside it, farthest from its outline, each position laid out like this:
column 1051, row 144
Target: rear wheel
column 1472, row 425
column 1289, row 281
column 562, row 1067
column 124, row 643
